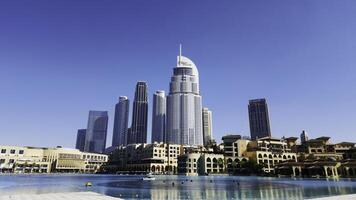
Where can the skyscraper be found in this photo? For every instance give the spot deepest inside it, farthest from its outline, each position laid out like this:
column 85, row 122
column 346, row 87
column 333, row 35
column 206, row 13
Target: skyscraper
column 80, row 143
column 304, row 137
column 184, row 105
column 95, row 140
column 119, row 136
column 259, row 120
column 159, row 117
column 138, row 133
column 207, row 126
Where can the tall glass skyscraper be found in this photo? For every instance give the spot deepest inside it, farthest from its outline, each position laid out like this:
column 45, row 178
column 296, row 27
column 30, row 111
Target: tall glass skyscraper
column 184, row 105
column 259, row 120
column 119, row 136
column 138, row 131
column 159, row 117
column 80, row 143
column 207, row 126
column 95, row 140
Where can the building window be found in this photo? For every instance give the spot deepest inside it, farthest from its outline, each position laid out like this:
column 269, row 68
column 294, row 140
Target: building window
column 11, row 161
column 2, row 161
column 12, row 151
column 3, row 150
column 21, row 152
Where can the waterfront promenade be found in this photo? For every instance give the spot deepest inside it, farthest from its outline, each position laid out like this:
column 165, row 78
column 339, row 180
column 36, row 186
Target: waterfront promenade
column 343, row 197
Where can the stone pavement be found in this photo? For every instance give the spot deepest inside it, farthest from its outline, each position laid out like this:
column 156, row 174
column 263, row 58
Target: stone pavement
column 339, row 197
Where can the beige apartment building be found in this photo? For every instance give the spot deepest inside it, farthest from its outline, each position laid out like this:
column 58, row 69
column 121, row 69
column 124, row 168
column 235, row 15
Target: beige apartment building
column 322, row 149
column 201, row 163
column 157, row 158
column 266, row 151
column 269, row 152
column 234, row 151
column 45, row 160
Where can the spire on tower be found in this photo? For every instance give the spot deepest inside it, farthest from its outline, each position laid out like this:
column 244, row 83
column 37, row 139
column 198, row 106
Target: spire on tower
column 180, row 53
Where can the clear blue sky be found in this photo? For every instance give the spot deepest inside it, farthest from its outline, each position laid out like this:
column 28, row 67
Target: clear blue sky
column 60, row 59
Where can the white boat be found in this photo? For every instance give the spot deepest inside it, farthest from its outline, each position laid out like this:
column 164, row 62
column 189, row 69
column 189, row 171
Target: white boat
column 149, row 177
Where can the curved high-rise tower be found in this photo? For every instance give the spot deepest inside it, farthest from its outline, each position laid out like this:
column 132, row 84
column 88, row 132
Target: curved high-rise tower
column 184, row 105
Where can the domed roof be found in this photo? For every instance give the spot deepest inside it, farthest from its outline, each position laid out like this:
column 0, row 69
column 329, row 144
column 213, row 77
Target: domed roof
column 183, row 61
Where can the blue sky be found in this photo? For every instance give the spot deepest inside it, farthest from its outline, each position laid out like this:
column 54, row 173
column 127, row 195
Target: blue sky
column 60, row 59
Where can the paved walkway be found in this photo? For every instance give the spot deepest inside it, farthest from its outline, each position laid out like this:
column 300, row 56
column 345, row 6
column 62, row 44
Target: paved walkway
column 59, row 196
column 338, row 197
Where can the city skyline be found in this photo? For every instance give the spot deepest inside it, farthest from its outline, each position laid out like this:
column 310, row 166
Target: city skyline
column 299, row 57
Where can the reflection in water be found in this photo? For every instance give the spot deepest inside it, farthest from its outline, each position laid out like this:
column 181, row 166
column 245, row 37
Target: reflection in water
column 228, row 189
column 179, row 187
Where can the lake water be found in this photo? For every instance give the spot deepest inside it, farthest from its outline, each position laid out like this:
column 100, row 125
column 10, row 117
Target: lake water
column 199, row 187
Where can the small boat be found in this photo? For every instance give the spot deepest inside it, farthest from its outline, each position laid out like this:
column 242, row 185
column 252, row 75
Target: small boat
column 149, row 177
column 88, row 184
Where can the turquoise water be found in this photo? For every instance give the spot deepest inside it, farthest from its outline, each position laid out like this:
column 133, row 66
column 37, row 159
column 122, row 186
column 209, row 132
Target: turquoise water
column 202, row 187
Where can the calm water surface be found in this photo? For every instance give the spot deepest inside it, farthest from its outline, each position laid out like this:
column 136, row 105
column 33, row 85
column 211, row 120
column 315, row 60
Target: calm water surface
column 202, row 187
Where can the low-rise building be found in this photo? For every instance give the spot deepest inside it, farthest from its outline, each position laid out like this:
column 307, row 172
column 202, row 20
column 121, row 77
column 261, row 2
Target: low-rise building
column 234, row 151
column 321, row 149
column 44, row 160
column 318, row 169
column 156, row 158
column 188, row 164
column 269, row 152
column 199, row 163
column 313, row 169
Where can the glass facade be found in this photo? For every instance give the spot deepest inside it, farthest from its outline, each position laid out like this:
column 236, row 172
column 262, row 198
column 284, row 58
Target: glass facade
column 184, row 105
column 95, row 140
column 121, row 122
column 81, row 139
column 259, row 119
column 159, row 117
column 138, row 131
